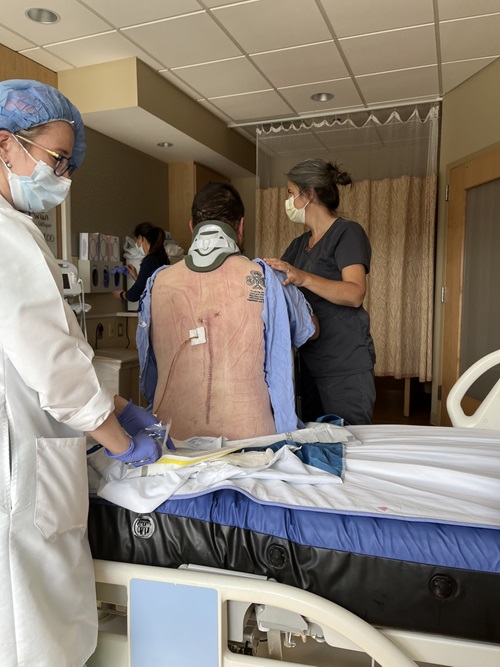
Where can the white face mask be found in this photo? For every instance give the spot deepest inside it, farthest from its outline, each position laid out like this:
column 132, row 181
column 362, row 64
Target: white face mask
column 295, row 214
column 41, row 191
column 140, row 250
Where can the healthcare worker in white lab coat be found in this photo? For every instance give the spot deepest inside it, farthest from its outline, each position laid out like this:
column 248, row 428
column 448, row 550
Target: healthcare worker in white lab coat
column 49, row 396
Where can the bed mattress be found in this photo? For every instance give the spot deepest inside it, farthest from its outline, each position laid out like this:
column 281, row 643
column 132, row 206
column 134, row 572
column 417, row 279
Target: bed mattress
column 412, row 573
column 442, row 579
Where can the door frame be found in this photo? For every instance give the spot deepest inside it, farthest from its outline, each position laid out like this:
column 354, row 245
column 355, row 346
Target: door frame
column 470, row 173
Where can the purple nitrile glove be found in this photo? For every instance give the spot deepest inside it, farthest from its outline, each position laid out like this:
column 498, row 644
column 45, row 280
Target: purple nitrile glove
column 144, row 449
column 134, row 419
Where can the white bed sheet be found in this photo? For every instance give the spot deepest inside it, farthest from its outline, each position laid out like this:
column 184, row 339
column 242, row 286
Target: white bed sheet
column 425, row 473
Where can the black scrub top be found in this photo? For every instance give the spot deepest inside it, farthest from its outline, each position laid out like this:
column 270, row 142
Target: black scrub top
column 148, row 266
column 344, row 345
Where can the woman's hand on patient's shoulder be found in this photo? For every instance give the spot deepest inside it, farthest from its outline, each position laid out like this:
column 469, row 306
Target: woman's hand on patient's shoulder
column 293, row 276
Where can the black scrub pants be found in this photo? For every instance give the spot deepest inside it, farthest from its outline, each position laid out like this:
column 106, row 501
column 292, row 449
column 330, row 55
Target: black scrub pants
column 349, row 396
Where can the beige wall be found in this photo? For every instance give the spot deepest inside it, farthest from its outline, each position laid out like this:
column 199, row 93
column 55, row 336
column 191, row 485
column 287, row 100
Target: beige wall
column 131, row 85
column 116, row 188
column 470, row 125
column 246, row 188
column 167, row 102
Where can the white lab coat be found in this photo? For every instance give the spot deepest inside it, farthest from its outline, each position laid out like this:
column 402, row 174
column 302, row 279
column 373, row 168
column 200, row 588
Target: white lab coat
column 49, row 395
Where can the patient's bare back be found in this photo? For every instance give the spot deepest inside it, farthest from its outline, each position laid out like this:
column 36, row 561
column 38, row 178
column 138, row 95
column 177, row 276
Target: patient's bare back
column 208, row 339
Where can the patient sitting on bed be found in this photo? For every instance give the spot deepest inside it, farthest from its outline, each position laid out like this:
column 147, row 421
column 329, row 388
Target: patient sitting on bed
column 216, row 332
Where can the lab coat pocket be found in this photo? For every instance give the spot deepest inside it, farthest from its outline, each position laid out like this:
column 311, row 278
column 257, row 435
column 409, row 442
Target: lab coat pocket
column 61, row 486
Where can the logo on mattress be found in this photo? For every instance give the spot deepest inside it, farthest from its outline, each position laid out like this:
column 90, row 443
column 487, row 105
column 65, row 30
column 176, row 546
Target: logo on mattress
column 143, row 526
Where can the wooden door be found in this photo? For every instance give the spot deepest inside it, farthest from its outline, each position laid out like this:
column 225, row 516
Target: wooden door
column 184, row 180
column 472, row 270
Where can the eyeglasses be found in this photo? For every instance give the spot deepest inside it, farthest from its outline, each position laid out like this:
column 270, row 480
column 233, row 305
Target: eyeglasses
column 62, row 166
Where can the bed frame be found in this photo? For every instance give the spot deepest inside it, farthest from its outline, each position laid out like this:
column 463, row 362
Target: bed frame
column 202, row 617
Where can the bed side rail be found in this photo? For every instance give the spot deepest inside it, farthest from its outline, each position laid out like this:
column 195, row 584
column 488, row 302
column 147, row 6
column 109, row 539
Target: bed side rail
column 284, row 613
column 164, row 604
column 488, row 413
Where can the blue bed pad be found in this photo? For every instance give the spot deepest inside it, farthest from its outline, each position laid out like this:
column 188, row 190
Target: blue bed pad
column 439, row 544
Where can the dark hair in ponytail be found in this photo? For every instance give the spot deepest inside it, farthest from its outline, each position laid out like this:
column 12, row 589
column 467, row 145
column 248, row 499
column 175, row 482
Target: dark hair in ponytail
column 154, row 235
column 323, row 177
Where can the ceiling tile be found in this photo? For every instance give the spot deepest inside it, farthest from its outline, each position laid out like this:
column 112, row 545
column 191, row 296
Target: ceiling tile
column 266, row 26
column 215, row 110
column 388, row 44
column 306, row 64
column 470, row 38
column 358, row 17
column 99, row 49
column 184, row 41
column 455, row 9
column 253, row 106
column 406, row 84
column 47, row 59
column 76, row 21
column 346, row 96
column 13, row 41
column 457, row 72
column 226, row 77
column 384, row 52
column 220, row 3
column 123, row 13
column 344, row 135
column 291, row 143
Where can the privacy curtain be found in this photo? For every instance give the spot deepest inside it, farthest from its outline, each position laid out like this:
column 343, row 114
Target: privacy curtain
column 393, row 162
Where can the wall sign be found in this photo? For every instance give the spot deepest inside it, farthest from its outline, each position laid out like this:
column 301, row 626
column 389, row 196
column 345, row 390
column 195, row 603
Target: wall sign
column 47, row 223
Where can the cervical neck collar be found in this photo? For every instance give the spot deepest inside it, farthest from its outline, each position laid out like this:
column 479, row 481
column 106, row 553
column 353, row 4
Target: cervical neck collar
column 213, row 242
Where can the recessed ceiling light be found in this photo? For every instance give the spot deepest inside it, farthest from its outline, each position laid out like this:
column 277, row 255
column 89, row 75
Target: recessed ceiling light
column 42, row 15
column 322, row 97
column 164, row 144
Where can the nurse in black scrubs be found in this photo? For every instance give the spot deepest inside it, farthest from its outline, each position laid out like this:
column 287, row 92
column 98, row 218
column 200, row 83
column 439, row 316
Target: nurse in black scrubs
column 149, row 240
column 329, row 263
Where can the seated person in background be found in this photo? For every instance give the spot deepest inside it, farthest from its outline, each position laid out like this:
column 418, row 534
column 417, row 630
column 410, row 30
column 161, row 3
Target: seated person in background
column 216, row 331
column 150, row 241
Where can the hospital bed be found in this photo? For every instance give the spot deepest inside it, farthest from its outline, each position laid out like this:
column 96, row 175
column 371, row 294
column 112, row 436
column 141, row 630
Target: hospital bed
column 220, row 579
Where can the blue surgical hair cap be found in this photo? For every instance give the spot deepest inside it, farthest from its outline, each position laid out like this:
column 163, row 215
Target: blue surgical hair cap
column 25, row 104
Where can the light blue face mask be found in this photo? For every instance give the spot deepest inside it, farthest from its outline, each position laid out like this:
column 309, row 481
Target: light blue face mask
column 41, row 191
